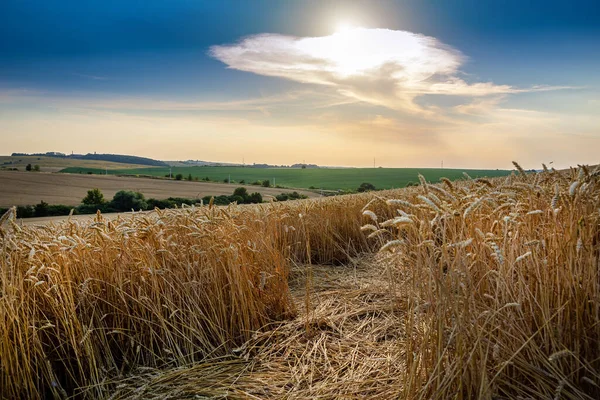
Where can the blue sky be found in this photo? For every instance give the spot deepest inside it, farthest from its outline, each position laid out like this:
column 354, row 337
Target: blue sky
column 485, row 82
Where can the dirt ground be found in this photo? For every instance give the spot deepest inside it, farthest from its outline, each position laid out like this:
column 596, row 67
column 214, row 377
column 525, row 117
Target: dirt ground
column 29, row 188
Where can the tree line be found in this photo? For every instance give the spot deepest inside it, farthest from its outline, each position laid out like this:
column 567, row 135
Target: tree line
column 127, row 200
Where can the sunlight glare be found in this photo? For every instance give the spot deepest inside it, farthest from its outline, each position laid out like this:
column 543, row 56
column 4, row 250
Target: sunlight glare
column 344, row 26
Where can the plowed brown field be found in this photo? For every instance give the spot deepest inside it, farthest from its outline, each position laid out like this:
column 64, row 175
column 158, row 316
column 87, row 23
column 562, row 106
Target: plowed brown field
column 29, row 188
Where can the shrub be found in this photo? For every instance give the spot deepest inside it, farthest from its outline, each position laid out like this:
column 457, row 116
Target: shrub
column 222, row 200
column 25, row 211
column 365, row 187
column 255, row 198
column 178, row 177
column 36, row 168
column 41, row 209
column 58, row 210
column 266, row 183
column 237, row 199
column 290, row 196
column 93, row 208
column 28, row 167
column 154, row 203
column 206, row 200
column 181, row 200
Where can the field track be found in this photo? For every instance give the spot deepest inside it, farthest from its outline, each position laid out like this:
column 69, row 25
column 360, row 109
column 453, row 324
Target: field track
column 29, row 188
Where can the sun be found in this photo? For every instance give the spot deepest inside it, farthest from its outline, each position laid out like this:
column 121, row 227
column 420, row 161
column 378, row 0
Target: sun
column 344, row 27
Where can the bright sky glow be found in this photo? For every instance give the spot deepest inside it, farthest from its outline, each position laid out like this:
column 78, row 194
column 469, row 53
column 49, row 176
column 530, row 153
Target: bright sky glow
column 378, row 66
column 411, row 83
column 344, row 26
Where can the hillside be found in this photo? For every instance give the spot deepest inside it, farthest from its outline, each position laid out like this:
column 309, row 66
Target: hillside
column 55, row 164
column 116, row 158
column 319, row 178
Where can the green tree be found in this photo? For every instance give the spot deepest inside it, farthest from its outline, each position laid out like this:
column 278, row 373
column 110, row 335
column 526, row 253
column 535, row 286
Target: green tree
column 266, row 183
column 189, row 178
column 125, row 200
column 36, row 168
column 178, row 177
column 93, row 197
column 241, row 191
column 28, row 167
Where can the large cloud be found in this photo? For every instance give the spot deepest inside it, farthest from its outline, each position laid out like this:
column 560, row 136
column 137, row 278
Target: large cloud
column 379, row 66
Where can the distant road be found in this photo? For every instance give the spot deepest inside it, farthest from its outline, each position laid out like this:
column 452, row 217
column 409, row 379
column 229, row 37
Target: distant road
column 29, row 188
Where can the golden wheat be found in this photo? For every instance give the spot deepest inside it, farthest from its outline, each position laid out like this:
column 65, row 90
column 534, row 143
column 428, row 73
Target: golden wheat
column 482, row 289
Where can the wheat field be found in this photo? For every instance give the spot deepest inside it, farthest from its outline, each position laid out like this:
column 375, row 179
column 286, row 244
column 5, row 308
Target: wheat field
column 467, row 289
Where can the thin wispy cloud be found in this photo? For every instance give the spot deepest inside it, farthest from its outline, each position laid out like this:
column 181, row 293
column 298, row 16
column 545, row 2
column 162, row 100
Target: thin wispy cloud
column 92, row 77
column 312, row 99
column 383, row 67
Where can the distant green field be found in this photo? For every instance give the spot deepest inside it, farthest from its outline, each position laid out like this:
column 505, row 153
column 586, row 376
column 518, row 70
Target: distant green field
column 322, row 178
